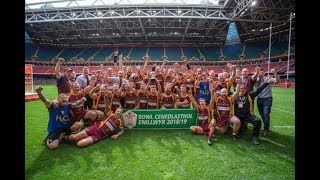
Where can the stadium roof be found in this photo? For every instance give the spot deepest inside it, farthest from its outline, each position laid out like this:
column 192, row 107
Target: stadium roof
column 34, row 4
column 153, row 22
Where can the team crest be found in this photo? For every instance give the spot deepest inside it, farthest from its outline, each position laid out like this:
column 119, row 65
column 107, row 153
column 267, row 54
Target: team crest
column 129, row 119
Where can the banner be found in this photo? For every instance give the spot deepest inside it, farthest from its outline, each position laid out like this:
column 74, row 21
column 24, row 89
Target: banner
column 159, row 118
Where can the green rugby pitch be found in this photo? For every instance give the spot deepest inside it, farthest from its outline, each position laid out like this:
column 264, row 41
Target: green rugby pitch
column 165, row 154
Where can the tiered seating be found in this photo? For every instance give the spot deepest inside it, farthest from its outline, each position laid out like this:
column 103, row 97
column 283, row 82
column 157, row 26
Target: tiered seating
column 156, row 53
column 232, row 52
column 69, row 53
column 255, row 50
column 211, row 53
column 138, row 53
column 279, row 48
column 191, row 52
column 29, row 50
column 103, row 54
column 88, row 53
column 48, row 53
column 124, row 51
column 173, row 54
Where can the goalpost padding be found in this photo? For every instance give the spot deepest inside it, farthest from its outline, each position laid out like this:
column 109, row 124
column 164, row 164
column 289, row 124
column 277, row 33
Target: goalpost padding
column 28, row 88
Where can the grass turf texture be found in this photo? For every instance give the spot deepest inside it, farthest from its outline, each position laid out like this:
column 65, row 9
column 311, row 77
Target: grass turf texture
column 165, row 154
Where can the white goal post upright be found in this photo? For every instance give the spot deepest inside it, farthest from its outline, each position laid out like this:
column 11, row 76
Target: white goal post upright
column 269, row 48
column 289, row 47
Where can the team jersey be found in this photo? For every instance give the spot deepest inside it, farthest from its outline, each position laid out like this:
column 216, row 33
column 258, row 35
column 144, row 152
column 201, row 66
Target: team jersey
column 98, row 102
column 76, row 113
column 247, row 82
column 153, row 101
column 168, row 79
column 221, row 86
column 58, row 117
column 167, row 101
column 143, row 101
column 130, row 100
column 224, row 107
column 204, row 91
column 115, row 102
column 204, row 116
column 110, row 125
column 63, row 85
column 190, row 86
column 182, row 99
column 138, row 79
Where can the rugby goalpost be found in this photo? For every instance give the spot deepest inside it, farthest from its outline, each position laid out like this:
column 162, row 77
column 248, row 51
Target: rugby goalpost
column 287, row 81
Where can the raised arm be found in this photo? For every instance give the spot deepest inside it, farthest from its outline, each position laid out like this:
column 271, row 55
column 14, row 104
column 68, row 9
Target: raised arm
column 90, row 86
column 92, row 93
column 255, row 75
column 255, row 93
column 163, row 64
column 145, row 64
column 57, row 68
column 235, row 94
column 120, row 62
column 46, row 102
column 194, row 102
column 159, row 88
column 276, row 75
column 213, row 97
column 78, row 103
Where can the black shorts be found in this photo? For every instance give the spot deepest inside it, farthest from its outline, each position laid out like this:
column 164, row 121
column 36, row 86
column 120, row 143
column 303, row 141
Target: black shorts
column 56, row 134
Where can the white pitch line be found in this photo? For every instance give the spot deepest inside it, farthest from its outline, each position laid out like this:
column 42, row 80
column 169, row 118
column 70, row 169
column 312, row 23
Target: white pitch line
column 283, row 111
column 283, row 126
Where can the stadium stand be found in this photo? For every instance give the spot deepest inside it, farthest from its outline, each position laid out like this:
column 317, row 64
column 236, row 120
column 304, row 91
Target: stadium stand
column 255, row 50
column 138, row 53
column 232, row 52
column 30, row 49
column 190, row 53
column 70, row 54
column 173, row 54
column 47, row 53
column 212, row 54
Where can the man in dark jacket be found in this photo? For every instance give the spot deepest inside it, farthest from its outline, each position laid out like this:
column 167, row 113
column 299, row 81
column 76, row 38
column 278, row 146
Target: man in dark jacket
column 243, row 109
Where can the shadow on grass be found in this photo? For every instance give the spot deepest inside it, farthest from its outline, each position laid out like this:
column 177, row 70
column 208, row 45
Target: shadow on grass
column 276, row 145
column 136, row 144
column 69, row 158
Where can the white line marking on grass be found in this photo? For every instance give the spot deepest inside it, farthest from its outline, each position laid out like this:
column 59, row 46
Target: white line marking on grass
column 283, row 126
column 283, row 111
